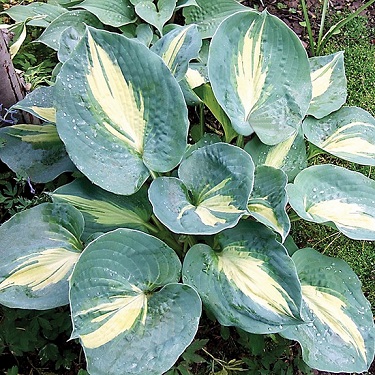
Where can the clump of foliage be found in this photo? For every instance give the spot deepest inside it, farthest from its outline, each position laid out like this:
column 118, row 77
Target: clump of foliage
column 41, row 332
column 167, row 217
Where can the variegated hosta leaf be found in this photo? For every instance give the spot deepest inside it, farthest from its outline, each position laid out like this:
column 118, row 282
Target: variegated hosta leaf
column 36, row 14
column 104, row 211
column 195, row 76
column 127, row 308
column 209, row 14
column 34, row 151
column 207, row 139
column 268, row 199
column 40, row 103
column 18, row 32
column 115, row 13
column 267, row 95
column 65, row 3
column 78, row 18
column 348, row 133
column 38, row 249
column 211, row 193
column 68, row 41
column 289, row 155
column 185, row 3
column 145, row 34
column 177, row 48
column 341, row 334
column 248, row 282
column 114, row 121
column 328, row 84
column 328, row 193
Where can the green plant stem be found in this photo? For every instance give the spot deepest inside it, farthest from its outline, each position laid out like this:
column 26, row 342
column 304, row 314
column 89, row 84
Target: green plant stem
column 169, row 239
column 322, row 21
column 293, row 217
column 240, row 141
column 334, row 29
column 308, row 26
column 191, row 241
column 151, row 227
column 158, row 224
column 201, row 120
column 154, row 175
column 186, row 247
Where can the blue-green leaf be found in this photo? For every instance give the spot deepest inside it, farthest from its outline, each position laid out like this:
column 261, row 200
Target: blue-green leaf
column 208, row 14
column 289, row 156
column 113, row 122
column 177, row 48
column 348, row 133
column 268, row 96
column 329, row 90
column 248, row 280
column 40, row 14
column 268, row 199
column 125, row 298
column 34, row 151
column 156, row 14
column 104, row 211
column 211, row 193
column 78, row 18
column 40, row 103
column 115, row 13
column 341, row 334
column 39, row 248
column 328, row 193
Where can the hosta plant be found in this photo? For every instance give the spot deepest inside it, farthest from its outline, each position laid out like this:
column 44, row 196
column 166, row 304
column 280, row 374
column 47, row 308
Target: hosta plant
column 168, row 217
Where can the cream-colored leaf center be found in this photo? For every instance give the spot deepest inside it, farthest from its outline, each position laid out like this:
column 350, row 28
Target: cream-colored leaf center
column 321, row 78
column 267, row 212
column 349, row 139
column 117, row 98
column 277, row 154
column 37, row 133
column 250, row 72
column 330, row 310
column 210, row 202
column 40, row 270
column 48, row 114
column 118, row 315
column 206, row 210
column 194, row 78
column 349, row 215
column 104, row 212
column 251, row 278
column 170, row 55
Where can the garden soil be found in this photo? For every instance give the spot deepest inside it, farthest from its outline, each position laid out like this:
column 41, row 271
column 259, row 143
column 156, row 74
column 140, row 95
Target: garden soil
column 290, row 12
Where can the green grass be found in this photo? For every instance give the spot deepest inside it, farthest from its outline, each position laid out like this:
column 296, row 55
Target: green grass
column 355, row 40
